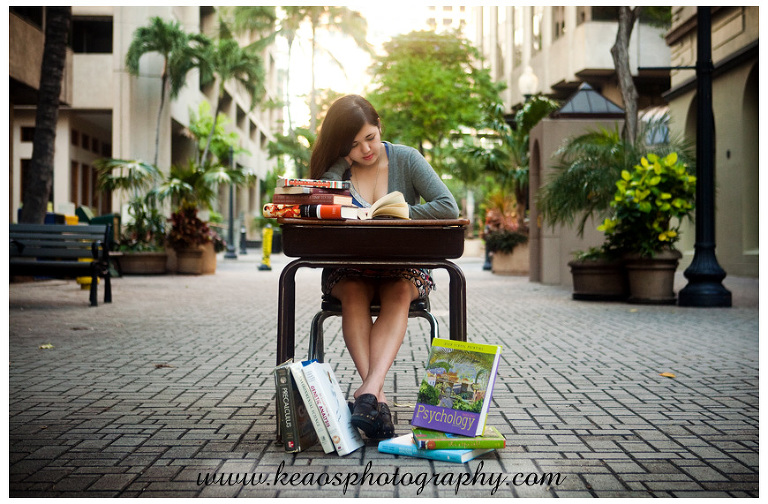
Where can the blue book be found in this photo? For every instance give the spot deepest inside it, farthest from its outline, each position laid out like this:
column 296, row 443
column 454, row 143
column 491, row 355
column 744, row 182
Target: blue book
column 404, row 445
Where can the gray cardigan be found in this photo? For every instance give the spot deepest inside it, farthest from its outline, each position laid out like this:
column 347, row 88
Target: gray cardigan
column 413, row 176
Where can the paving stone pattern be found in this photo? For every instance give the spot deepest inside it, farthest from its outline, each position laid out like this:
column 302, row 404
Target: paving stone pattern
column 172, row 382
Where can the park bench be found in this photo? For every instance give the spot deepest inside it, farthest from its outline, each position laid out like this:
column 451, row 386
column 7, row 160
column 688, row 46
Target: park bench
column 56, row 251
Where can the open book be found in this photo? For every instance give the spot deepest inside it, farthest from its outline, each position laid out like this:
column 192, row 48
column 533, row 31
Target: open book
column 391, row 205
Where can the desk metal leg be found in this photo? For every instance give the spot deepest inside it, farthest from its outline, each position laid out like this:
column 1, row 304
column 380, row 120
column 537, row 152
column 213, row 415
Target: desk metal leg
column 286, row 312
column 457, row 301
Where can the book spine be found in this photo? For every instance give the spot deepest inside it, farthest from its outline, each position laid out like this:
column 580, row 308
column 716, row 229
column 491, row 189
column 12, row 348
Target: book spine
column 294, row 190
column 274, row 211
column 450, row 444
column 350, row 439
column 413, row 451
column 307, row 199
column 286, row 410
column 321, row 211
column 323, row 405
column 330, row 184
column 312, row 410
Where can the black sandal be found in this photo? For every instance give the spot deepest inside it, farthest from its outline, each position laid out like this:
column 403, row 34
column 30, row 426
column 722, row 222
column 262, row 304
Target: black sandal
column 385, row 428
column 365, row 413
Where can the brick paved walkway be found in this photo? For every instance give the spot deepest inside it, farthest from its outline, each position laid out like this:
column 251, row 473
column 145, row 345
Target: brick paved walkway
column 172, row 381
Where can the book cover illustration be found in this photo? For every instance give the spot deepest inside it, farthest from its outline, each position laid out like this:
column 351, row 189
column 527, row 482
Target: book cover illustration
column 456, row 391
column 427, row 439
column 404, row 445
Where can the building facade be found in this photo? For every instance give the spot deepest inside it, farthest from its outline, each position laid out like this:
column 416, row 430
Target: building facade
column 570, row 45
column 108, row 113
column 735, row 104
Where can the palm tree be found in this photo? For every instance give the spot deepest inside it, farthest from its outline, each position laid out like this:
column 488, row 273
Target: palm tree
column 180, row 51
column 509, row 156
column 39, row 176
column 226, row 60
column 333, row 19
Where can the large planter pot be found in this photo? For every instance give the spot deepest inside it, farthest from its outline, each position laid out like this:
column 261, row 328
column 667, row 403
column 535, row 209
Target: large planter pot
column 599, row 280
column 515, row 263
column 209, row 258
column 651, row 280
column 189, row 261
column 143, row 263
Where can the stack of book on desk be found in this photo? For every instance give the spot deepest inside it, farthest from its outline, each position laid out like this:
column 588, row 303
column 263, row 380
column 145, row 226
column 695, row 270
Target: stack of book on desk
column 311, row 409
column 328, row 199
column 449, row 421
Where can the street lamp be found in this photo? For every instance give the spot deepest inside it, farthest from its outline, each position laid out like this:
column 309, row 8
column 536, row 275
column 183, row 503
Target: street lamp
column 528, row 83
column 230, row 253
column 705, row 276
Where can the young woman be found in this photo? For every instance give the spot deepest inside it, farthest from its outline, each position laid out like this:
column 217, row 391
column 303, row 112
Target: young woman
column 349, row 147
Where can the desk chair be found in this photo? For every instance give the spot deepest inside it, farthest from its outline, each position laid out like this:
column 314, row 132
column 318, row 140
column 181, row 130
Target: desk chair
column 331, row 306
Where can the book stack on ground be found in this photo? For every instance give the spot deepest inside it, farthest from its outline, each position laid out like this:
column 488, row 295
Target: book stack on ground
column 328, row 199
column 311, row 409
column 449, row 421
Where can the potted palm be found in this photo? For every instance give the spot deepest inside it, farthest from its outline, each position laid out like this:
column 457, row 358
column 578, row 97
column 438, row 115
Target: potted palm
column 188, row 233
column 649, row 204
column 141, row 247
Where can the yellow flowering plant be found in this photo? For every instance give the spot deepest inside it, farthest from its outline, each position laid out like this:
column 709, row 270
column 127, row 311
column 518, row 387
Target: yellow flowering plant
column 649, row 204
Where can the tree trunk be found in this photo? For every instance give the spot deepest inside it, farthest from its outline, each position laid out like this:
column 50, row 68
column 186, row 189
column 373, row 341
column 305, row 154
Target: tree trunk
column 620, row 53
column 312, row 99
column 38, row 178
column 288, row 87
column 164, row 84
column 213, row 127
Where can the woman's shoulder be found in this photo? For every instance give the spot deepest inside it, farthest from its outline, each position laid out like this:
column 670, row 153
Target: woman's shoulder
column 405, row 154
column 403, row 150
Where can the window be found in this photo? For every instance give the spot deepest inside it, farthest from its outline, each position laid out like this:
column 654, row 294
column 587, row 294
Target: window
column 92, row 35
column 86, row 141
column 85, row 184
column 558, row 22
column 74, row 183
column 106, row 149
column 94, row 185
column 27, row 133
column 581, row 15
column 517, row 37
column 536, row 20
column 75, row 137
column 95, row 145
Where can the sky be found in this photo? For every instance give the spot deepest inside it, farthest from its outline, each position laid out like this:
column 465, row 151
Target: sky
column 384, row 22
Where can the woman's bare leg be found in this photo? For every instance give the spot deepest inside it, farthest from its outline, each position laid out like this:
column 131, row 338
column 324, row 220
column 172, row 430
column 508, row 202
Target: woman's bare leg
column 356, row 323
column 386, row 335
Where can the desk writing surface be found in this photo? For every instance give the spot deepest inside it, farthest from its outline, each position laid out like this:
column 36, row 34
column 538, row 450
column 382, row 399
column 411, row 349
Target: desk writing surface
column 382, row 239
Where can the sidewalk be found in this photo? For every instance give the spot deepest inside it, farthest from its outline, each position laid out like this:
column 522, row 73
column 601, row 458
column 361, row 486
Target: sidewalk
column 170, row 382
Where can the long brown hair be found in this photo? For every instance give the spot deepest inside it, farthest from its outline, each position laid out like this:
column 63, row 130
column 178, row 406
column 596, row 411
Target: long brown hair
column 342, row 123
